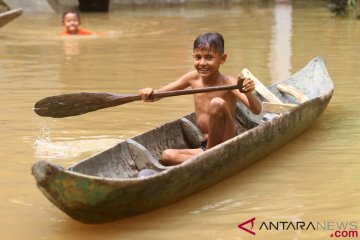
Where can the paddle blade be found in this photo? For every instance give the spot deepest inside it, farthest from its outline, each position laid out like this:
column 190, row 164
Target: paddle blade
column 73, row 104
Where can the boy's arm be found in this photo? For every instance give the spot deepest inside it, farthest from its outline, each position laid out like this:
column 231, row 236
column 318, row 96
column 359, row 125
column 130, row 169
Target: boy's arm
column 182, row 83
column 248, row 98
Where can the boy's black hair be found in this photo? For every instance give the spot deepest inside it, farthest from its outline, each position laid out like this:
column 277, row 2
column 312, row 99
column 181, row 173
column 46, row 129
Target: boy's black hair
column 211, row 40
column 74, row 12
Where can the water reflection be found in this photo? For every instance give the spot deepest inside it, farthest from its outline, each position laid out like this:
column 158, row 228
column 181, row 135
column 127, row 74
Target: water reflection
column 71, row 47
column 280, row 54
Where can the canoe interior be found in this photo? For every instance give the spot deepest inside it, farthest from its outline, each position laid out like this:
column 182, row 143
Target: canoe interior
column 128, row 158
column 314, row 81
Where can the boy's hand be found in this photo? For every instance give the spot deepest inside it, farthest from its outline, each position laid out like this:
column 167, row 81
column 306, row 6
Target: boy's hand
column 248, row 86
column 146, row 94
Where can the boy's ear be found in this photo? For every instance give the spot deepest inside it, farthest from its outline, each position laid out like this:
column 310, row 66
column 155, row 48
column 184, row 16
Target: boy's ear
column 223, row 58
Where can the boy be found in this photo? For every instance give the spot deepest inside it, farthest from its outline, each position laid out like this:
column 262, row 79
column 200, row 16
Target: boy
column 215, row 111
column 71, row 22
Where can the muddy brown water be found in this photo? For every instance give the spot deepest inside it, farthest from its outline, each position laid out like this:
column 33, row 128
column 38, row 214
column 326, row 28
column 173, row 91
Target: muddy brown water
column 314, row 178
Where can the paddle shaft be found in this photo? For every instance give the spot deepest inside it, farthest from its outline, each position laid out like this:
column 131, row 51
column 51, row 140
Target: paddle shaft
column 191, row 91
column 73, row 104
column 164, row 94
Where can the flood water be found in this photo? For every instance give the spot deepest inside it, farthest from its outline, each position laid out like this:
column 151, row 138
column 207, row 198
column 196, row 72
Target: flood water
column 314, row 178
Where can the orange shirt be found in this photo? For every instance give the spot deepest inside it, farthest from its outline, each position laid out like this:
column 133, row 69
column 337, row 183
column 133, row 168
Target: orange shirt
column 81, row 31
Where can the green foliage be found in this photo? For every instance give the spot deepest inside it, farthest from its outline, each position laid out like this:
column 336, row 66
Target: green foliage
column 342, row 7
column 352, row 3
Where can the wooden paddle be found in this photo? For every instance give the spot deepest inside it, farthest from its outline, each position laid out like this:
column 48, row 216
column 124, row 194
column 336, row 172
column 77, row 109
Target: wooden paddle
column 73, row 104
column 10, row 15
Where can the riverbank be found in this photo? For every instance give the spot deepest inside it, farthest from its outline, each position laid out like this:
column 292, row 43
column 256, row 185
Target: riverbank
column 62, row 5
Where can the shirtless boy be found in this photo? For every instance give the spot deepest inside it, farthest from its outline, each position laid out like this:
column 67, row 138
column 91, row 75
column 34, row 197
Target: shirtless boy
column 215, row 111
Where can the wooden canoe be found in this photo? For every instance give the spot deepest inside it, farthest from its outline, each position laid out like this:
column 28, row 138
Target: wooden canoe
column 110, row 185
column 8, row 16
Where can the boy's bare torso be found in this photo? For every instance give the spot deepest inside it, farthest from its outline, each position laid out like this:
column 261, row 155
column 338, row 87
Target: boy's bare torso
column 202, row 100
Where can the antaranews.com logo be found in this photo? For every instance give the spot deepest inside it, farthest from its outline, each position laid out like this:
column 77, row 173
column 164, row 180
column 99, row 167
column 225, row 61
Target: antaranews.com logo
column 335, row 229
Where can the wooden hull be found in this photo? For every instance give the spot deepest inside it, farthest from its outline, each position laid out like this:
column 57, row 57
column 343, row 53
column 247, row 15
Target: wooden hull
column 95, row 191
column 8, row 16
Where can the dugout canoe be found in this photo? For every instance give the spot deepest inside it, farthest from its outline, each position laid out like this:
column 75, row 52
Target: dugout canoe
column 128, row 178
column 10, row 15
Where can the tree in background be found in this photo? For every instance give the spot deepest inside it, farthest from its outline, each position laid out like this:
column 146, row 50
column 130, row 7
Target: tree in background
column 343, row 7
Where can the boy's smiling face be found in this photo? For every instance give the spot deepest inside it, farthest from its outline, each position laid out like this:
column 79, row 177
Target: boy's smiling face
column 71, row 23
column 207, row 61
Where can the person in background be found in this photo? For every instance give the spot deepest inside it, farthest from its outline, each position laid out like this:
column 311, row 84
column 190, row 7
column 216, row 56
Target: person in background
column 71, row 23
